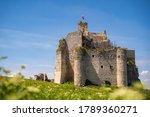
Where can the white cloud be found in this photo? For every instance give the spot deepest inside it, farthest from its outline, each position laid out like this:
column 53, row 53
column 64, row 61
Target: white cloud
column 145, row 78
column 145, row 74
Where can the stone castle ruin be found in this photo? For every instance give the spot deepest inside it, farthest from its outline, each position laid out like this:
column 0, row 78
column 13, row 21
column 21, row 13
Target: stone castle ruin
column 88, row 57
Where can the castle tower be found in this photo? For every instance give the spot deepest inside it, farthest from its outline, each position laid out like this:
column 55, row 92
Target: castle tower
column 121, row 67
column 83, row 26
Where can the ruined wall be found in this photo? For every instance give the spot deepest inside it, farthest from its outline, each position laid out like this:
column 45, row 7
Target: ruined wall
column 132, row 70
column 86, row 56
column 101, row 67
column 98, row 67
column 64, row 68
column 131, row 54
column 105, row 67
column 79, row 66
column 73, row 40
column 121, row 67
column 60, row 67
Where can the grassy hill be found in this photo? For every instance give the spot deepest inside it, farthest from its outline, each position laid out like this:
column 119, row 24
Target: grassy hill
column 22, row 89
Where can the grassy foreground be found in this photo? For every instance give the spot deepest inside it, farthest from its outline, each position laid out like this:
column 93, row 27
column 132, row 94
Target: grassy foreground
column 24, row 89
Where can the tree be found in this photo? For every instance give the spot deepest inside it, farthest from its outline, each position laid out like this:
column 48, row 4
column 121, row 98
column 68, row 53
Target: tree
column 22, row 67
column 3, row 57
column 7, row 72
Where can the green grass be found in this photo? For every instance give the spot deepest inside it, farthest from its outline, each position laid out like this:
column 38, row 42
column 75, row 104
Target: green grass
column 24, row 89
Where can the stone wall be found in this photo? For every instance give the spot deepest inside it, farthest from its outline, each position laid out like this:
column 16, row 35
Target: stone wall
column 79, row 67
column 58, row 71
column 132, row 70
column 131, row 54
column 98, row 67
column 83, row 27
column 101, row 67
column 73, row 40
column 121, row 67
column 60, row 67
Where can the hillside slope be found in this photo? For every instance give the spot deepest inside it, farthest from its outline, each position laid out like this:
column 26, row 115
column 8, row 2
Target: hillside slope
column 22, row 89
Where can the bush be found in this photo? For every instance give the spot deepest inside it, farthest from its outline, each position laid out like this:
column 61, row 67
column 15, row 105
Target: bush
column 13, row 88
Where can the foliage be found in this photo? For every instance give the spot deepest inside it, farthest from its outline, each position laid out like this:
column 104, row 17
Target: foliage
column 18, row 88
column 2, row 69
column 22, row 66
column 6, row 71
column 3, row 57
column 14, row 89
column 81, row 50
column 131, row 62
column 126, row 94
column 61, row 43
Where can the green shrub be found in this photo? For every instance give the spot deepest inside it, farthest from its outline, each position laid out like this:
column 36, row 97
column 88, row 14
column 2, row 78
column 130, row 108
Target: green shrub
column 13, row 88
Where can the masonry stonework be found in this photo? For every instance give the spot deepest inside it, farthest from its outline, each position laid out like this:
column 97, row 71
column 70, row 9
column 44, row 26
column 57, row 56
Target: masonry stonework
column 86, row 57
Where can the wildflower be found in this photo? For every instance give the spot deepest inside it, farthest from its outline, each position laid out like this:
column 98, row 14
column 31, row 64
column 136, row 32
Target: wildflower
column 33, row 89
column 126, row 94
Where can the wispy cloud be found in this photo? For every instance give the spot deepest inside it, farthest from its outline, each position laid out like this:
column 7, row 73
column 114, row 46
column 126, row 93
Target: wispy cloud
column 143, row 62
column 41, row 65
column 40, row 45
column 15, row 34
column 15, row 39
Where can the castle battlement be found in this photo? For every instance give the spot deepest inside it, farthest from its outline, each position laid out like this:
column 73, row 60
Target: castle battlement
column 84, row 57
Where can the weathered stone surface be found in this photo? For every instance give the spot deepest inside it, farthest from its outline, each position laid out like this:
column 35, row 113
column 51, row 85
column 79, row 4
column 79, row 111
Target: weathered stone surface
column 90, row 57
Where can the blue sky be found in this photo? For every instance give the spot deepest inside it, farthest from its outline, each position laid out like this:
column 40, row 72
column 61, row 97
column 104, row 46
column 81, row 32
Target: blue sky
column 30, row 30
